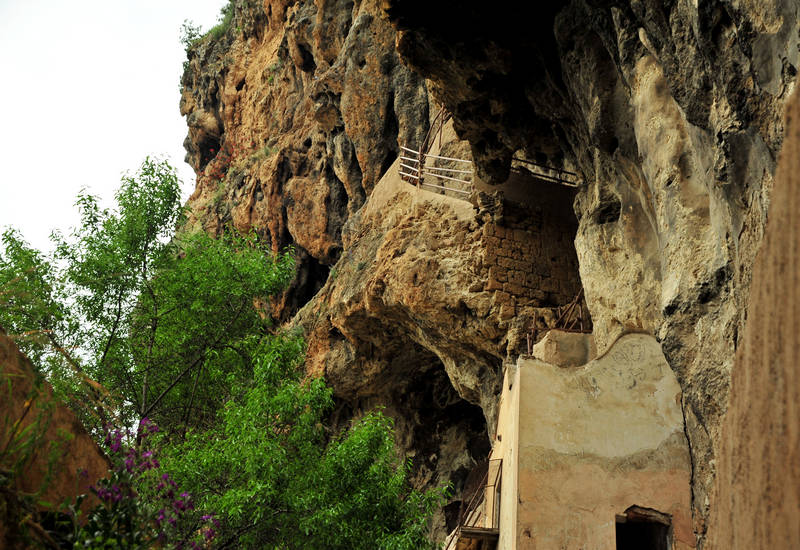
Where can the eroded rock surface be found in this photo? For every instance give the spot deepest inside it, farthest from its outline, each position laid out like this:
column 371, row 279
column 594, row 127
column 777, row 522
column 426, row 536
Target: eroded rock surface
column 414, row 293
column 293, row 115
column 671, row 113
column 756, row 498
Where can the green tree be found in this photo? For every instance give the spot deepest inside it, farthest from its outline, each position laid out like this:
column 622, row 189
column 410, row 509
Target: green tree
column 266, row 468
column 147, row 316
column 173, row 327
column 32, row 300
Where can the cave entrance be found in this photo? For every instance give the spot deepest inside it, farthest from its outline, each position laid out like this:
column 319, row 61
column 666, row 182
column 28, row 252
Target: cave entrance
column 442, row 433
column 643, row 529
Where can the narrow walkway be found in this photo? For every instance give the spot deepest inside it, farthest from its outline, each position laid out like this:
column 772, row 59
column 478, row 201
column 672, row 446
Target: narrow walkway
column 413, row 167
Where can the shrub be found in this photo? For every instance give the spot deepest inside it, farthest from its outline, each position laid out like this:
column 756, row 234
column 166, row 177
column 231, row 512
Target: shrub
column 139, row 507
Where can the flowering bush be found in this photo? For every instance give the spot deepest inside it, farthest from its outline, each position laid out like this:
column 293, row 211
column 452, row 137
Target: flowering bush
column 138, row 509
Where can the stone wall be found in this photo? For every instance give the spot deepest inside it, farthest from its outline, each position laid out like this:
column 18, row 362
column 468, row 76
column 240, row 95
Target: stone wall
column 582, row 445
column 530, row 250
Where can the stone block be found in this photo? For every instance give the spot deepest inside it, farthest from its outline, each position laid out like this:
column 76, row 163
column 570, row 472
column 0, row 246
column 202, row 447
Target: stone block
column 507, row 311
column 493, row 284
column 498, row 273
column 516, row 277
column 515, row 289
column 501, row 297
column 505, row 262
column 565, row 349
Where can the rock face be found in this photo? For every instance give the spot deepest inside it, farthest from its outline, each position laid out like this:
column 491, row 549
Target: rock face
column 756, row 498
column 62, row 445
column 672, row 115
column 293, row 115
column 412, row 298
column 669, row 114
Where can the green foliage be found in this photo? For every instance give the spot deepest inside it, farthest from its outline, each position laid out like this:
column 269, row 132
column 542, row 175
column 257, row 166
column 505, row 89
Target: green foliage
column 261, row 154
column 266, row 468
column 32, row 299
column 225, row 20
column 159, row 310
column 190, row 34
column 174, row 328
column 273, row 69
column 156, row 315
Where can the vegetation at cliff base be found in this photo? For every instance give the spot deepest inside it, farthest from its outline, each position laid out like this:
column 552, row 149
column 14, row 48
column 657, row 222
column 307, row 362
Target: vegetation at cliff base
column 163, row 345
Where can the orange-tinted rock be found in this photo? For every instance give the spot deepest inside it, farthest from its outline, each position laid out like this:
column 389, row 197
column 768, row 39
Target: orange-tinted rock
column 294, row 114
column 756, row 498
column 64, row 447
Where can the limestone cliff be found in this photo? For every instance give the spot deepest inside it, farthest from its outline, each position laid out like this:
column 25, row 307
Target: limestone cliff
column 302, row 106
column 669, row 113
column 672, row 114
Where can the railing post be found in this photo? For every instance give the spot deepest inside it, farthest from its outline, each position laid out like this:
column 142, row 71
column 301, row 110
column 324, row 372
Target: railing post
column 420, row 158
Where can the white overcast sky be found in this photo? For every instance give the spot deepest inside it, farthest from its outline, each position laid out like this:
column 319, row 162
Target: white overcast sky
column 88, row 88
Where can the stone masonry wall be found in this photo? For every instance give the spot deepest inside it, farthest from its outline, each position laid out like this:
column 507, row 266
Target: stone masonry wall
column 530, row 251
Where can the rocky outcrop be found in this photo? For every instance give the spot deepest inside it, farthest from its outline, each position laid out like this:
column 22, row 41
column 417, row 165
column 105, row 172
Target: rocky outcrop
column 756, row 497
column 294, row 113
column 672, row 115
column 669, row 113
column 413, row 300
column 44, row 442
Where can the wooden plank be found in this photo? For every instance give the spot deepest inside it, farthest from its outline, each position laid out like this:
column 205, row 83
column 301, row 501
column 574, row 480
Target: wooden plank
column 482, row 533
column 448, row 158
column 540, row 165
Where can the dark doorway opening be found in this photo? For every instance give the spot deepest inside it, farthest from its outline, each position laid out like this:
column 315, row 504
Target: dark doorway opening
column 643, row 529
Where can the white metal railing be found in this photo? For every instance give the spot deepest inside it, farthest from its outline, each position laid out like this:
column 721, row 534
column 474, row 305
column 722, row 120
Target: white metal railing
column 413, row 168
